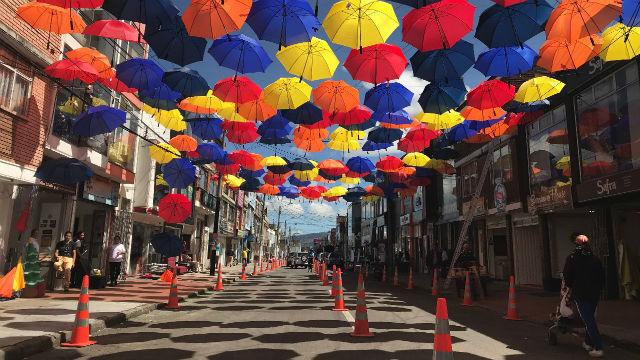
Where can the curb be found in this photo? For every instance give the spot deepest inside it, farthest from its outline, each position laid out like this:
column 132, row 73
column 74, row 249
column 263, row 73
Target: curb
column 42, row 343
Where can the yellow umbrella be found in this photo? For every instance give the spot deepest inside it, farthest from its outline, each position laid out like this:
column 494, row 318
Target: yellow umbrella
column 308, row 175
column 313, row 60
column 202, row 104
column 416, row 159
column 620, row 42
column 349, row 180
column 233, row 181
column 286, row 93
column 171, row 119
column 370, row 198
column 538, row 88
column 563, row 162
column 228, row 111
column 360, row 23
column 73, row 105
column 342, row 134
column 163, row 153
column 445, row 120
column 343, row 145
column 335, row 191
column 273, row 161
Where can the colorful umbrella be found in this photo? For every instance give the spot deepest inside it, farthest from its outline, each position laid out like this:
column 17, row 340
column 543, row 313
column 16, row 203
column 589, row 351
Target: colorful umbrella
column 228, row 111
column 287, row 93
column 214, row 18
column 443, row 64
column 441, row 97
column 335, row 191
column 332, row 167
column 183, row 143
column 171, row 41
column 70, row 70
column 388, row 97
column 163, row 153
column 313, row 60
column 360, row 23
column 343, row 145
column 389, row 163
column 284, row 22
column 239, row 132
column 98, row 120
column 384, row 136
column 459, row 132
column 475, row 114
column 309, row 145
column 272, row 178
column 335, row 96
column 440, row 121
column 490, row 94
column 506, row 61
column 210, row 152
column 179, row 173
column 501, row 26
column 233, row 181
column 174, row 208
column 359, row 166
column 171, row 119
column 50, row 18
column 114, row 29
column 620, row 43
column 439, row 25
column 417, row 139
column 305, row 114
column 376, row 63
column 116, row 85
column 275, row 127
column 630, row 13
column 270, row 161
column 240, row 53
column 139, row 73
column 355, row 116
column 151, row 12
column 575, row 19
column 395, row 118
column 256, row 110
column 301, row 164
column 237, row 89
column 374, row 146
column 538, row 88
column 161, row 92
column 65, row 171
column 94, row 58
column 269, row 189
column 201, row 104
column 560, row 54
column 186, row 81
column 76, row 4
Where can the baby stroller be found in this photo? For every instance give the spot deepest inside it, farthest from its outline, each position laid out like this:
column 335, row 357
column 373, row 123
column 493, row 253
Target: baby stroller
column 565, row 319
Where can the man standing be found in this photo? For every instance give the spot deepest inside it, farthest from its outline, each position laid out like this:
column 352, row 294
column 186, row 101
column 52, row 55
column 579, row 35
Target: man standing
column 584, row 277
column 65, row 256
column 245, row 256
column 116, row 256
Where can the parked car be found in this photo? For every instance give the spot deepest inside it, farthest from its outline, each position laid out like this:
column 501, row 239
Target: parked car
column 297, row 259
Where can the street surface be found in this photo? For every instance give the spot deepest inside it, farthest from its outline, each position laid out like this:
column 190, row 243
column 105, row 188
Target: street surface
column 286, row 315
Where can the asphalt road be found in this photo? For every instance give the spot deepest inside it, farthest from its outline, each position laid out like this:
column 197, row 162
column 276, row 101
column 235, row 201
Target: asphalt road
column 286, row 315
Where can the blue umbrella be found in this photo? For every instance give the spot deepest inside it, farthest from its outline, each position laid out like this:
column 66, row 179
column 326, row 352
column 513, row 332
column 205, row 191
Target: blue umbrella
column 179, row 173
column 459, row 133
column 424, row 172
column 517, row 107
column 161, row 91
column 139, row 73
column 150, row 12
column 186, row 81
column 224, row 159
column 630, row 13
column 240, row 53
column 98, row 120
column 388, row 97
column 173, row 43
column 440, row 97
column 206, row 128
column 444, row 64
column 360, row 165
column 506, row 61
column 374, row 146
column 167, row 244
column 283, row 22
column 444, row 153
column 290, row 192
column 364, row 126
column 251, row 184
column 305, row 114
column 384, row 135
column 397, row 118
column 246, row 173
column 211, row 152
column 500, row 26
column 276, row 126
column 297, row 182
column 479, row 125
column 64, row 171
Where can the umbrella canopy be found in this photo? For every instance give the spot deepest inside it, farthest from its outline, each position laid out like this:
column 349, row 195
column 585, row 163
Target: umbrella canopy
column 163, row 153
column 531, row 107
column 139, row 73
column 560, row 54
column 575, row 19
column 490, row 94
column 240, row 53
column 210, row 152
column 256, row 110
column 272, row 178
column 270, row 161
column 290, row 192
column 161, row 92
column 332, row 167
column 312, row 60
column 475, row 114
column 183, row 143
column 69, row 70
column 374, row 146
column 359, row 166
column 98, row 120
column 443, row 64
column 382, row 135
column 251, row 184
column 65, row 171
column 114, row 29
column 150, row 12
column 630, row 15
column 305, row 114
column 287, row 93
column 506, row 61
column 171, row 41
column 343, row 145
column 459, row 132
column 240, row 133
column 269, row 189
column 357, row 115
column 301, row 164
column 214, row 18
column 376, row 63
column 538, row 88
column 439, row 25
column 284, row 22
column 395, row 118
column 389, row 163
column 94, row 58
column 501, row 26
column 440, row 121
column 51, row 18
column 441, row 97
column 76, row 4
column 297, row 182
column 360, row 23
column 388, row 97
column 167, row 244
column 179, row 173
column 620, row 42
column 233, row 181
column 418, row 139
column 445, row 153
column 237, row 89
column 247, row 159
column 171, row 119
column 309, row 145
column 116, row 85
column 335, row 191
column 201, row 104
column 174, row 208
column 335, row 96
column 186, row 81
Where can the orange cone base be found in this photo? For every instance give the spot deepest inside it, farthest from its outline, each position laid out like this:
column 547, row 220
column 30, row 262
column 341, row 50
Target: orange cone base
column 78, row 345
column 343, row 309
column 369, row 334
column 243, row 276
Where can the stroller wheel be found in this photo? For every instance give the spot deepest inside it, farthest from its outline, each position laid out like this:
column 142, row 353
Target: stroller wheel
column 552, row 338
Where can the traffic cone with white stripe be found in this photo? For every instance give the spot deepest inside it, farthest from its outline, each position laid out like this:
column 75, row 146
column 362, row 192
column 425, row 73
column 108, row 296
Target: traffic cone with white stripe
column 434, row 285
column 243, row 276
column 173, row 294
column 410, row 280
column 219, row 284
column 467, row 301
column 512, row 311
column 442, row 349
column 339, row 301
column 396, row 281
column 81, row 330
column 361, row 327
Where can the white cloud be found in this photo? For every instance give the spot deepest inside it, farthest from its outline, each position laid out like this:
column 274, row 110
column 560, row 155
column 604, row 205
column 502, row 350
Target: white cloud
column 416, row 85
column 321, row 209
column 293, row 208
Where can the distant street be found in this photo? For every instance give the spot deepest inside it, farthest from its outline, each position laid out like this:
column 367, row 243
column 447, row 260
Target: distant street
column 286, row 315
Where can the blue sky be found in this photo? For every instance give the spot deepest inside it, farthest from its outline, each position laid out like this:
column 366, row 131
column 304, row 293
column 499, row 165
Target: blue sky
column 305, row 216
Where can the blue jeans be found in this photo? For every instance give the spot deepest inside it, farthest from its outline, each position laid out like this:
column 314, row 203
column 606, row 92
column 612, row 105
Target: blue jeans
column 587, row 310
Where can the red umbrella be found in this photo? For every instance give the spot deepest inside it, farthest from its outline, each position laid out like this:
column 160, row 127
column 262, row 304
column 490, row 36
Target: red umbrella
column 419, row 181
column 237, row 89
column 312, row 192
column 231, row 169
column 598, row 168
column 401, row 175
column 174, row 208
column 70, row 70
column 331, row 198
column 333, row 167
column 595, row 119
column 240, row 132
column 491, row 94
column 376, row 63
column 559, row 136
column 76, row 4
column 439, row 25
column 514, row 119
column 389, row 163
column 116, row 85
column 275, row 179
column 417, row 139
column 114, row 29
column 242, row 157
column 374, row 190
column 356, row 116
column 322, row 124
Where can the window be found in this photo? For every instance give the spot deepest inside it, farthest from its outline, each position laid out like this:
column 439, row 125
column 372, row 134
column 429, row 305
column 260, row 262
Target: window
column 502, row 172
column 449, row 198
column 549, row 160
column 15, row 90
column 468, row 180
column 609, row 139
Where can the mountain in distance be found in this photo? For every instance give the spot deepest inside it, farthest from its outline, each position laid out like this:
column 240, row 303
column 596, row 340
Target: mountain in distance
column 307, row 239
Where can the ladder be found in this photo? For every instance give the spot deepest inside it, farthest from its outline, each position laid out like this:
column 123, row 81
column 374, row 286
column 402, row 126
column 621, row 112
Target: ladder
column 468, row 217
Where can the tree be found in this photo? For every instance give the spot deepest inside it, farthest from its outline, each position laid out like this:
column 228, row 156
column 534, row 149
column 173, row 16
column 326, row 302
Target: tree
column 32, row 267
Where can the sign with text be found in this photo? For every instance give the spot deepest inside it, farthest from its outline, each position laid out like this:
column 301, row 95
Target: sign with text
column 609, row 186
column 548, row 198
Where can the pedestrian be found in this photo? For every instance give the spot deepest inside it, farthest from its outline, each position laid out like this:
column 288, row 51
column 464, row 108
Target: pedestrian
column 33, row 240
column 116, row 257
column 81, row 264
column 228, row 257
column 65, row 255
column 245, row 257
column 583, row 276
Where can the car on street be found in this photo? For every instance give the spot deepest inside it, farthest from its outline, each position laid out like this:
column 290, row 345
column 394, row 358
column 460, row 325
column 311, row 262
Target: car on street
column 297, row 259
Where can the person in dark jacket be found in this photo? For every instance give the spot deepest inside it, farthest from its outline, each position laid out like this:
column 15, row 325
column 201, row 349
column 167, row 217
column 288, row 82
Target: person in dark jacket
column 584, row 276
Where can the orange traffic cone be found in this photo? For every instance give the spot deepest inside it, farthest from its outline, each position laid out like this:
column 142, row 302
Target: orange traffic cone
column 339, row 301
column 334, row 282
column 410, row 281
column 512, row 311
column 243, row 276
column 442, row 349
column 325, row 278
column 321, row 272
column 361, row 327
column 167, row 276
column 467, row 291
column 255, row 268
column 80, row 333
column 173, row 294
column 434, row 286
column 261, row 267
column 219, row 284
column 396, row 281
column 384, row 273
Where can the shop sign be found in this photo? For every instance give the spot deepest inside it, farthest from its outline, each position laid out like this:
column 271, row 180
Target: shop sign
column 609, row 186
column 101, row 190
column 405, row 219
column 548, row 198
column 49, row 224
column 500, row 196
column 417, row 200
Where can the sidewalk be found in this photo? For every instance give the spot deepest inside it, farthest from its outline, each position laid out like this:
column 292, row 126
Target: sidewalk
column 30, row 326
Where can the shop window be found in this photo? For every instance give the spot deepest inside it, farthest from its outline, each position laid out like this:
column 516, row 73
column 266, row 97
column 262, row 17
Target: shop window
column 15, row 90
column 609, row 140
column 449, row 199
column 502, row 171
column 549, row 160
column 468, row 180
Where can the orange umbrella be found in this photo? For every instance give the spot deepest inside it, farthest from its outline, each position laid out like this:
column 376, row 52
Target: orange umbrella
column 304, row 133
column 272, row 178
column 214, row 18
column 575, row 19
column 560, row 54
column 53, row 19
column 256, row 110
column 269, row 189
column 400, row 126
column 308, row 144
column 471, row 113
column 95, row 58
column 495, row 130
column 335, row 96
column 183, row 143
